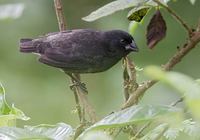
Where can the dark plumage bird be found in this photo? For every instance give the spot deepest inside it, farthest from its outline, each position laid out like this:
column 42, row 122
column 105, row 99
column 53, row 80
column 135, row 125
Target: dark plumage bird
column 81, row 50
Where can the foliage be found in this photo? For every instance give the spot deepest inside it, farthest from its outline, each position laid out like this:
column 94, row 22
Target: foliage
column 183, row 84
column 59, row 131
column 138, row 114
column 145, row 122
column 118, row 5
column 9, row 114
column 188, row 88
column 131, row 116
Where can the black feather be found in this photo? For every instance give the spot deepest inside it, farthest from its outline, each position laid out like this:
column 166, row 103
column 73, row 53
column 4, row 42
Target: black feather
column 26, row 45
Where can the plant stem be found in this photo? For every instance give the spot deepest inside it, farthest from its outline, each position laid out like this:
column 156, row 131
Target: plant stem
column 126, row 80
column 78, row 106
column 129, row 76
column 188, row 29
column 181, row 99
column 60, row 15
column 62, row 27
column 132, row 73
column 80, row 95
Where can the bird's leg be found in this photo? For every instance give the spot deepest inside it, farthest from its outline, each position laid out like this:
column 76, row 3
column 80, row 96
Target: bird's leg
column 78, row 83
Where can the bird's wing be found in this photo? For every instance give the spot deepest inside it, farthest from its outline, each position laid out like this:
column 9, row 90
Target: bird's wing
column 77, row 50
column 73, row 62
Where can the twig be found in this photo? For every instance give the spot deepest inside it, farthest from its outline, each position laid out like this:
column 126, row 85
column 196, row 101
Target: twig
column 140, row 131
column 80, row 96
column 186, row 48
column 189, row 30
column 132, row 73
column 87, row 107
column 176, row 58
column 134, row 97
column 126, row 80
column 62, row 27
column 129, row 76
column 78, row 106
column 60, row 15
column 181, row 99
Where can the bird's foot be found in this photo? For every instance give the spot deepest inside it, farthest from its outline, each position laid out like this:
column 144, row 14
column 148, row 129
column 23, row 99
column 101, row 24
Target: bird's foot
column 79, row 84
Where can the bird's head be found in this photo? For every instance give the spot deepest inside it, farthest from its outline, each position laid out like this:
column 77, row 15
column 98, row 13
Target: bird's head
column 122, row 40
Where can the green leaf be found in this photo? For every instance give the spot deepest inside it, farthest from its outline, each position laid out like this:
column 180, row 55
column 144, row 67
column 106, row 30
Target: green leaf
column 192, row 1
column 138, row 13
column 132, row 115
column 7, row 120
column 198, row 81
column 12, row 11
column 113, row 7
column 156, row 133
column 97, row 135
column 4, row 108
column 171, row 133
column 118, row 5
column 8, row 115
column 59, row 131
column 182, row 83
column 188, row 126
column 191, row 128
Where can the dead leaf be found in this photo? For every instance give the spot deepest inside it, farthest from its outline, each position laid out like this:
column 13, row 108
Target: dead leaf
column 156, row 29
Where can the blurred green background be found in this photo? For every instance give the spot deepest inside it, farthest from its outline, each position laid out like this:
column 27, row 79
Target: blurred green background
column 42, row 92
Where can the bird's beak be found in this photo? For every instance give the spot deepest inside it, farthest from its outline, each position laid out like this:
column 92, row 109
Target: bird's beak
column 132, row 47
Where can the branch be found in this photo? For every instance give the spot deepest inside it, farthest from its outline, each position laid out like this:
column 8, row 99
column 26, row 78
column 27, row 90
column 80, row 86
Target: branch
column 181, row 99
column 60, row 15
column 129, row 76
column 80, row 95
column 186, row 48
column 188, row 29
column 175, row 59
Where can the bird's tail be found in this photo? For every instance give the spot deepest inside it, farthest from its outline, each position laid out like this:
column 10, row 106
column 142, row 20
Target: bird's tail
column 26, row 45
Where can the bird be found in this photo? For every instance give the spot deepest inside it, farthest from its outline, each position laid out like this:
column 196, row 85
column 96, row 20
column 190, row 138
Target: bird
column 81, row 50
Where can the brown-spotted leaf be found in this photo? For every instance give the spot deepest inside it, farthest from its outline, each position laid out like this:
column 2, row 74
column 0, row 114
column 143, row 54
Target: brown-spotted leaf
column 156, row 30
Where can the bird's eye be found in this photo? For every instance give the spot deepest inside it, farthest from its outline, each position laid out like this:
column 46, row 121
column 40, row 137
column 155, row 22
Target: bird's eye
column 123, row 41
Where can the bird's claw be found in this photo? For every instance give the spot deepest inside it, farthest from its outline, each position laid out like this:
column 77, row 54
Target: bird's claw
column 79, row 84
